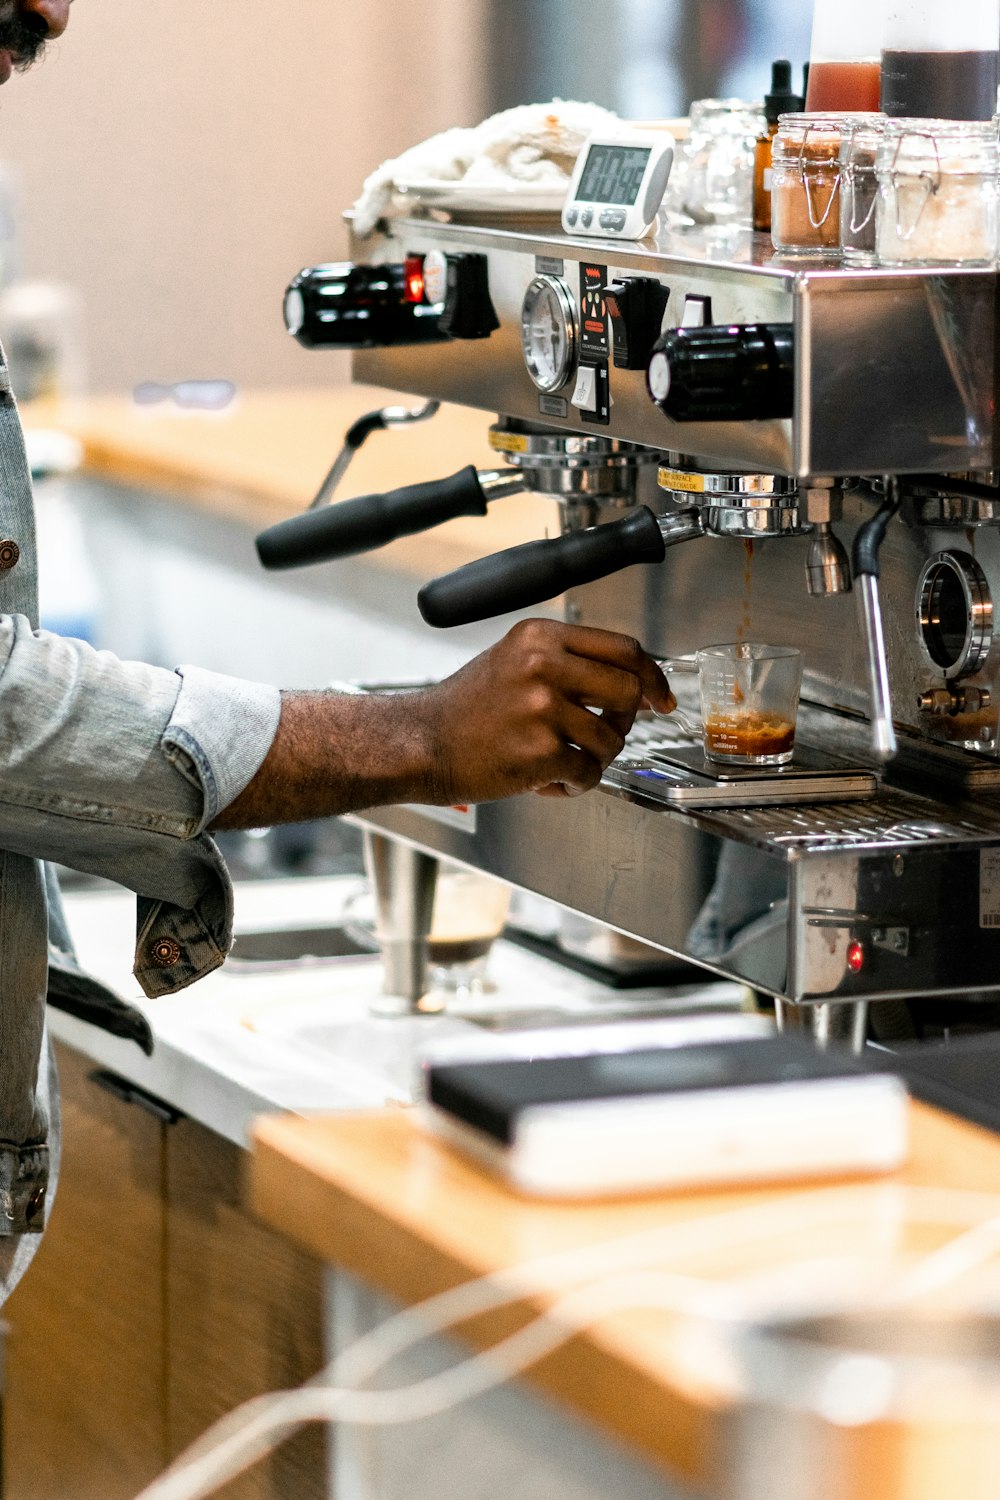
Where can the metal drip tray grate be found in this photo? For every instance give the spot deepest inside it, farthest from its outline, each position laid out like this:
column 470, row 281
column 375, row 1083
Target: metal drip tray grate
column 889, row 822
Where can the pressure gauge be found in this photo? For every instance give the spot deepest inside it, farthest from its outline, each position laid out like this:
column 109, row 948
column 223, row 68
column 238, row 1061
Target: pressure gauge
column 548, row 332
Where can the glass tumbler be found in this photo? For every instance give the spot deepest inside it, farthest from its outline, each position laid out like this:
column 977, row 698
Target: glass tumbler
column 712, row 182
column 470, row 910
column 749, row 703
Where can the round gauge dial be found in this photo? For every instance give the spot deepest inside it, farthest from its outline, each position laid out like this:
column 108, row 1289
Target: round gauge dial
column 548, row 332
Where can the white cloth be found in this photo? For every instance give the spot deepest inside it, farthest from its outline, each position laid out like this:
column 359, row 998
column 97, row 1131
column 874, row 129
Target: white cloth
column 530, row 143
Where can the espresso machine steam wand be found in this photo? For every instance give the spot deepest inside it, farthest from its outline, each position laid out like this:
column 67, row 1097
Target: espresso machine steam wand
column 867, row 545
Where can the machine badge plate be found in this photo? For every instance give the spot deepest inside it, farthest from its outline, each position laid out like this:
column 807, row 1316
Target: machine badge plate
column 595, row 342
column 989, row 888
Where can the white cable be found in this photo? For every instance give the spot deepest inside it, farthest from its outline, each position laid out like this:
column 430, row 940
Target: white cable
column 943, row 1267
column 268, row 1420
column 247, row 1434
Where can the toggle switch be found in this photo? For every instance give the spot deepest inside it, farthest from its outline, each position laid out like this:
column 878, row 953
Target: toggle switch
column 468, row 309
column 585, row 394
column 697, row 312
column 636, row 305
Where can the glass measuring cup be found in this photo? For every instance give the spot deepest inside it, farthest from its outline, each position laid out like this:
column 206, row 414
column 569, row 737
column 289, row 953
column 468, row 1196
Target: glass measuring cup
column 749, row 701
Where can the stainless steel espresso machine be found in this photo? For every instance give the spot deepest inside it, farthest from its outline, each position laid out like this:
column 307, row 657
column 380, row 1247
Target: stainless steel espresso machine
column 824, row 444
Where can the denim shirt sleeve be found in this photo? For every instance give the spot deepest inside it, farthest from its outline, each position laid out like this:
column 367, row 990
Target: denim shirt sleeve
column 117, row 769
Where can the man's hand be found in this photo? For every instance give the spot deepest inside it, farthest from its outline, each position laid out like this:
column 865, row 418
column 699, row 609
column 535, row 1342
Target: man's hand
column 545, row 710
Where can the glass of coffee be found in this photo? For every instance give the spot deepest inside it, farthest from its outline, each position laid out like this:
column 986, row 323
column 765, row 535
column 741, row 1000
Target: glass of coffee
column 469, row 913
column 749, row 703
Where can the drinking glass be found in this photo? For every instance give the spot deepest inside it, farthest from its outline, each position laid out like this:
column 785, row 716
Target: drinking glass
column 712, row 180
column 469, row 913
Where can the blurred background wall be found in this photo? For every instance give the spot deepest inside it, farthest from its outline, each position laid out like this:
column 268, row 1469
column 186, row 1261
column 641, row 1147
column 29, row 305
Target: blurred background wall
column 178, row 159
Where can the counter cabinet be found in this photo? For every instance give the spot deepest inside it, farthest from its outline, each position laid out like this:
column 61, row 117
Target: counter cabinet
column 155, row 1304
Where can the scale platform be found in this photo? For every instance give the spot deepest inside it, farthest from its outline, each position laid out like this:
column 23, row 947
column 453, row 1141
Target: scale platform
column 681, row 776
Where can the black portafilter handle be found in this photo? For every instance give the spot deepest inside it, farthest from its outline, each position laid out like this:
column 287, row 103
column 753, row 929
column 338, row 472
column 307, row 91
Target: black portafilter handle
column 370, row 521
column 527, row 575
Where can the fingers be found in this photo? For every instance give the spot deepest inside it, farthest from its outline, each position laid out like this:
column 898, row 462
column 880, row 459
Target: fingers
column 597, row 685
column 625, row 653
column 570, row 774
column 598, row 667
column 593, row 733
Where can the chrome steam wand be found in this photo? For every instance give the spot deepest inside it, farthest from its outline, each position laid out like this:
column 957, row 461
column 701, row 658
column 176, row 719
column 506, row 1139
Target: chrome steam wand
column 867, row 545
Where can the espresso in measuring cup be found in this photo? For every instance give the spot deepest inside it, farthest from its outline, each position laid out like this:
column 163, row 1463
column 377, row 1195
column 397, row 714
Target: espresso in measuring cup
column 752, row 736
column 749, row 702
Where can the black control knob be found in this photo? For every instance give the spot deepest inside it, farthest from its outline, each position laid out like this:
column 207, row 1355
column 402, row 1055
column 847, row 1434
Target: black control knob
column 345, row 306
column 735, row 374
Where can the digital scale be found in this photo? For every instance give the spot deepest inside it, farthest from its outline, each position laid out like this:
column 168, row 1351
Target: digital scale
column 618, row 184
column 683, row 776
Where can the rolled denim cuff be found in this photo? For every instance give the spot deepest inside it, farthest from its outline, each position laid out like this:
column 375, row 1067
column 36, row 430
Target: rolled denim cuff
column 225, row 726
column 24, row 1180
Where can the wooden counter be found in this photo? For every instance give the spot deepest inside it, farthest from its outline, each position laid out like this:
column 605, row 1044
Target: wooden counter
column 263, row 459
column 377, row 1196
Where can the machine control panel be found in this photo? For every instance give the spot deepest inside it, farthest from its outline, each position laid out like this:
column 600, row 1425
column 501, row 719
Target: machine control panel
column 592, row 397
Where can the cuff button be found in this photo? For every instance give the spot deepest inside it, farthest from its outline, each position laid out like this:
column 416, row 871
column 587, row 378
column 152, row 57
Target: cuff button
column 10, row 554
column 165, row 953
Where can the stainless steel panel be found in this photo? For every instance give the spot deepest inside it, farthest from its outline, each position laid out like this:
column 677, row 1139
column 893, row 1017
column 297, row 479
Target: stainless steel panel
column 775, row 898
column 894, row 368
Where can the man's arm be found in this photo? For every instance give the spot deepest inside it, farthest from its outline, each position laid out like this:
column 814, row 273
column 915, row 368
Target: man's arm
column 518, row 718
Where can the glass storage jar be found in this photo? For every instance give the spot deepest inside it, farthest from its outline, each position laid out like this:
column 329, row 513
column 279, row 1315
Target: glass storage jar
column 712, row 180
column 938, row 193
column 805, row 185
column 859, row 188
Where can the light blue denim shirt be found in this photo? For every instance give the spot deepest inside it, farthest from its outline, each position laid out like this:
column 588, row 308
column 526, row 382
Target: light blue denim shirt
column 116, row 769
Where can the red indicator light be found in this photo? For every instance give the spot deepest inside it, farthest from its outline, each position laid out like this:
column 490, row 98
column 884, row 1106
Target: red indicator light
column 413, row 278
column 855, row 958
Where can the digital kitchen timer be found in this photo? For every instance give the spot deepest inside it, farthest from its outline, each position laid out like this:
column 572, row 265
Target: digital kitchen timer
column 618, row 184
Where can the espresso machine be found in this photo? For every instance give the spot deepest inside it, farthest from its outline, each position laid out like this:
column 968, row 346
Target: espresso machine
column 824, row 444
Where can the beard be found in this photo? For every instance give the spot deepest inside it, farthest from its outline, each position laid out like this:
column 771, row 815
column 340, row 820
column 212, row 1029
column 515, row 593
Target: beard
column 22, row 36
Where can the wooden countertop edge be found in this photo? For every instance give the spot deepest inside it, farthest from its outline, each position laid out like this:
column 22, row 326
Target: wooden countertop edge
column 375, row 1194
column 588, row 1374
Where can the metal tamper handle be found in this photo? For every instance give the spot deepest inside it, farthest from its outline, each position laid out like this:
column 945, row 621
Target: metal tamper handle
column 527, row 575
column 370, row 521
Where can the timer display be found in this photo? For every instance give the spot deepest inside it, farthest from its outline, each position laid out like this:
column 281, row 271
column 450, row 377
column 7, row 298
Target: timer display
column 618, row 183
column 613, row 174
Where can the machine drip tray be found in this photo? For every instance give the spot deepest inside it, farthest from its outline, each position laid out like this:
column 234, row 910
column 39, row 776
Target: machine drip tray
column 680, row 775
